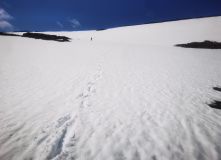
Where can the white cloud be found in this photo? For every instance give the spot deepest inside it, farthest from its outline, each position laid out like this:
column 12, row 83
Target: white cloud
column 60, row 24
column 4, row 14
column 4, row 24
column 75, row 23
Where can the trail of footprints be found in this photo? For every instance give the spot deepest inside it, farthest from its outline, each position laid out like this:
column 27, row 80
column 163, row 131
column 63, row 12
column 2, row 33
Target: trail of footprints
column 89, row 91
column 53, row 136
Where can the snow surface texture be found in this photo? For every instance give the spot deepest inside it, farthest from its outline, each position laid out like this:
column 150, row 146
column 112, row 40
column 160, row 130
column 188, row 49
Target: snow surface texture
column 128, row 94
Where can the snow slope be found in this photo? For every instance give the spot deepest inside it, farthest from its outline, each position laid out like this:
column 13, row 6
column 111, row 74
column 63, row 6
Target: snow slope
column 128, row 94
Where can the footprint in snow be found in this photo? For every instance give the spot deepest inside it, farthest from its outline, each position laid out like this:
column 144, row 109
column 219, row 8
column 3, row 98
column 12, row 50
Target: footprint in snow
column 84, row 104
column 62, row 120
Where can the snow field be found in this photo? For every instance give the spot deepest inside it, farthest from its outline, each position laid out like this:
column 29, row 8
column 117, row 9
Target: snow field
column 128, row 94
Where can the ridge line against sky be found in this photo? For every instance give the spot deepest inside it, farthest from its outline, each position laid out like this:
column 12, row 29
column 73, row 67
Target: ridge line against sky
column 73, row 15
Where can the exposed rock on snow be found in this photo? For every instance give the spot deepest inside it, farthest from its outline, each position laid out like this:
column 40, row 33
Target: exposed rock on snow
column 39, row 36
column 46, row 37
column 206, row 44
column 217, row 88
column 8, row 34
column 216, row 104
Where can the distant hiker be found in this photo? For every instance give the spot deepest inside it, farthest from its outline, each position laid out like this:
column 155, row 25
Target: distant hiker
column 91, row 38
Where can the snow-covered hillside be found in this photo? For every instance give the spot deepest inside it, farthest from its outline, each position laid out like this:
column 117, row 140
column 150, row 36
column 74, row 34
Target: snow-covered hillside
column 127, row 95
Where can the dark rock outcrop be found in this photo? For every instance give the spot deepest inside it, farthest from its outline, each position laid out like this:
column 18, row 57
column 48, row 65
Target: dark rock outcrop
column 216, row 104
column 206, row 45
column 100, row 29
column 8, row 34
column 46, row 37
column 217, row 89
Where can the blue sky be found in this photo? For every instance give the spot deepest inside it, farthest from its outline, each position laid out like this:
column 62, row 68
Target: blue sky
column 72, row 15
